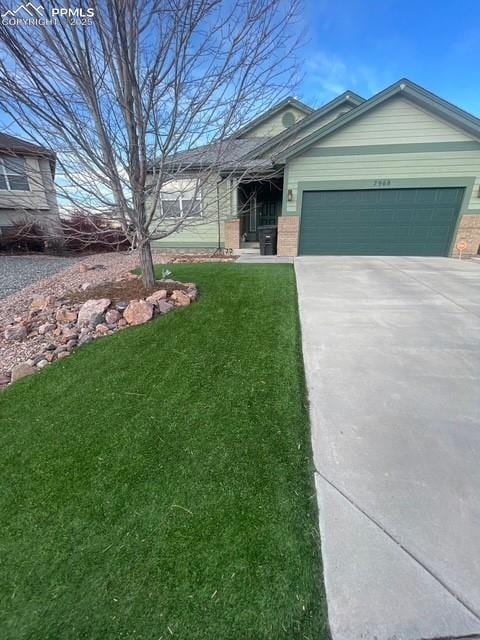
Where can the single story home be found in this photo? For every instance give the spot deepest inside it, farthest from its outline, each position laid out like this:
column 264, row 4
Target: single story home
column 27, row 187
column 397, row 174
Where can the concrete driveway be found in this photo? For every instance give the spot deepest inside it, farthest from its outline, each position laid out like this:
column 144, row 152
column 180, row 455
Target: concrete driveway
column 392, row 355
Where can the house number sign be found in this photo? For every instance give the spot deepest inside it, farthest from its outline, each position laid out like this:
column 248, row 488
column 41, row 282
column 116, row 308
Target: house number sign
column 381, row 183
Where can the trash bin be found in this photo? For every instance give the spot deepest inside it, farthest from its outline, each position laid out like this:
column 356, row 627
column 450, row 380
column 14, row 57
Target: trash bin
column 268, row 240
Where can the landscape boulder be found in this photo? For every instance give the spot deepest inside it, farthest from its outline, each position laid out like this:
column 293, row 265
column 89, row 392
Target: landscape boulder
column 45, row 328
column 53, row 327
column 15, row 332
column 39, row 303
column 64, row 315
column 91, row 312
column 70, row 332
column 112, row 316
column 180, row 298
column 101, row 328
column 21, row 371
column 121, row 305
column 164, row 306
column 192, row 293
column 138, row 312
column 156, row 296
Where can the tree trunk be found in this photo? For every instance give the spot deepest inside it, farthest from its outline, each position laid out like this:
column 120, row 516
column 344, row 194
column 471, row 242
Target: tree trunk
column 146, row 263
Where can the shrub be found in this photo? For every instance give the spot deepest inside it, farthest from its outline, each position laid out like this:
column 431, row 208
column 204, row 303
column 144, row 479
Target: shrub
column 84, row 232
column 22, row 237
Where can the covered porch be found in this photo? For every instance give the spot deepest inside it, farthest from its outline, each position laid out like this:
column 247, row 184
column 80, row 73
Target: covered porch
column 259, row 203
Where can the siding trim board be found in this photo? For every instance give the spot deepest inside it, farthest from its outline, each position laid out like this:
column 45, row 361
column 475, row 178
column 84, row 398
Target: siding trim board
column 382, row 149
column 420, row 97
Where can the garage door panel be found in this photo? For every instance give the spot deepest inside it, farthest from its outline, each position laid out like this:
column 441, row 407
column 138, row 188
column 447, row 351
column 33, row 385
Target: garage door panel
column 379, row 222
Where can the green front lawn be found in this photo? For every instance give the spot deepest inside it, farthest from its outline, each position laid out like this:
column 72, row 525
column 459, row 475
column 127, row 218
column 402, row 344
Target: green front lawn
column 158, row 483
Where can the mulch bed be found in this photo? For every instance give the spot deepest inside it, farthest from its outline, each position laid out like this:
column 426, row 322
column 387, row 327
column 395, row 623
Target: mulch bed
column 123, row 290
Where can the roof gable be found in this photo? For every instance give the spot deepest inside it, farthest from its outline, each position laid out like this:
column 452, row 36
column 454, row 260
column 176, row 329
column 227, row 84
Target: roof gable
column 347, row 100
column 404, row 88
column 256, row 127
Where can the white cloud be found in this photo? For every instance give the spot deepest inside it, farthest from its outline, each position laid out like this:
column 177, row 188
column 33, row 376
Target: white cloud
column 329, row 75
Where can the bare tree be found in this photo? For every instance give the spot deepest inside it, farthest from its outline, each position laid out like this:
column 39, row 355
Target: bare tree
column 123, row 94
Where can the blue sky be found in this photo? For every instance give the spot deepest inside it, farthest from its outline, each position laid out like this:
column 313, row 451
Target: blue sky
column 365, row 45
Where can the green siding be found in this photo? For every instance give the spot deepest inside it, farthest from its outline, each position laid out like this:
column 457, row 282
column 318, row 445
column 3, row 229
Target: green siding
column 396, row 121
column 204, row 232
column 273, row 126
column 417, row 222
column 446, row 168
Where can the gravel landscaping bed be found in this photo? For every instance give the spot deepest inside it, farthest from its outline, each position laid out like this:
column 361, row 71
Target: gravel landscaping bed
column 72, row 279
column 109, row 266
column 17, row 272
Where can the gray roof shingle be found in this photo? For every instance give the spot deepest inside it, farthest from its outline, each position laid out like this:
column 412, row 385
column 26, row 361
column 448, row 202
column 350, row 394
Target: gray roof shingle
column 17, row 145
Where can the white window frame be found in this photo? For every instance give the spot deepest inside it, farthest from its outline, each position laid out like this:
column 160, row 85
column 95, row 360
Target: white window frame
column 3, row 171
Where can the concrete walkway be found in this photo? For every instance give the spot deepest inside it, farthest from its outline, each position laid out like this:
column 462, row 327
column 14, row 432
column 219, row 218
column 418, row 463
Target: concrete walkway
column 256, row 258
column 392, row 355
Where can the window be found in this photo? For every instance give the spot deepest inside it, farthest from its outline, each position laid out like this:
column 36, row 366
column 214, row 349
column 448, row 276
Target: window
column 171, row 208
column 181, row 199
column 288, row 119
column 13, row 174
column 192, row 208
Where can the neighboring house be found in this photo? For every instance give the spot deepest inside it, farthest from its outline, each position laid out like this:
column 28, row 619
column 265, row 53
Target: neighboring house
column 398, row 174
column 27, row 188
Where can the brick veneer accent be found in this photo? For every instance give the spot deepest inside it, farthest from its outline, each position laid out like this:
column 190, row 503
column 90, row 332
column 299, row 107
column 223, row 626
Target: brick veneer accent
column 287, row 243
column 469, row 230
column 231, row 231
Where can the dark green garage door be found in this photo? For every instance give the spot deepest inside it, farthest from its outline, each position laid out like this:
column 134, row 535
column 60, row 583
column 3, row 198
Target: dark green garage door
column 398, row 222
